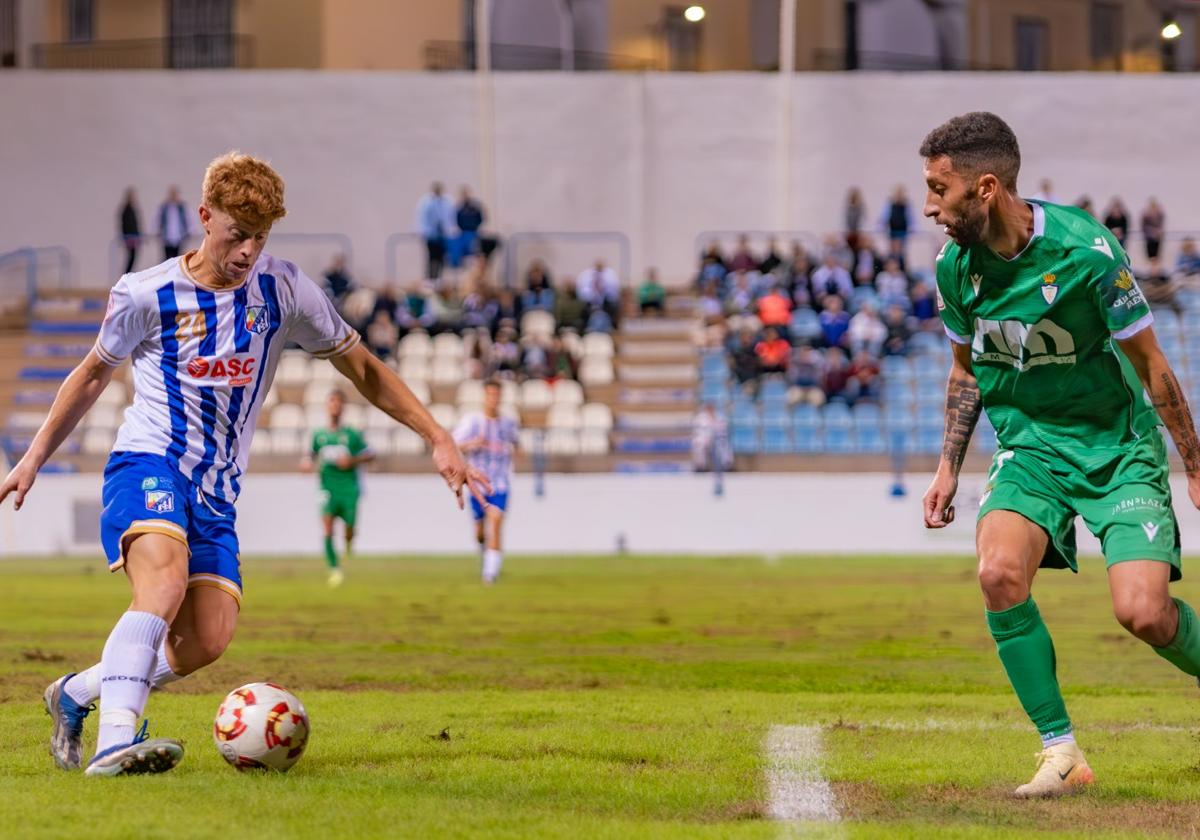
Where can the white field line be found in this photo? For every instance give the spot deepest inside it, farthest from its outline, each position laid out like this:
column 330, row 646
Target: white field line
column 796, row 789
column 934, row 725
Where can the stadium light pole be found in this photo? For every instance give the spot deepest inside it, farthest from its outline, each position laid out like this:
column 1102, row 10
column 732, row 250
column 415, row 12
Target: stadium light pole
column 787, row 68
column 487, row 107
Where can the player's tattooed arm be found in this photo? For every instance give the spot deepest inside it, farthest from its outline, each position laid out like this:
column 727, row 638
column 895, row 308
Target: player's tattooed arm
column 962, row 413
column 1172, row 407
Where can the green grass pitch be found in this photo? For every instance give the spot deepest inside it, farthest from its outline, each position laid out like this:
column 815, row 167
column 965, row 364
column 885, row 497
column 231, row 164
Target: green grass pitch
column 609, row 697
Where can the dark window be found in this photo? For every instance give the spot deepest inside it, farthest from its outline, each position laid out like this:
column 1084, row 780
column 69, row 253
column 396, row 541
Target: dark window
column 682, row 40
column 8, row 33
column 1032, row 44
column 79, row 20
column 1106, row 36
column 201, row 34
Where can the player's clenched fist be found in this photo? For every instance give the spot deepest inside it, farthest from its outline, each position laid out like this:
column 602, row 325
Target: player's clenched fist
column 939, row 510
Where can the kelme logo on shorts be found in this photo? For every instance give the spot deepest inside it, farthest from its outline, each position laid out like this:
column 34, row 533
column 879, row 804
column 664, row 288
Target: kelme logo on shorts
column 160, row 501
column 149, row 483
column 1022, row 345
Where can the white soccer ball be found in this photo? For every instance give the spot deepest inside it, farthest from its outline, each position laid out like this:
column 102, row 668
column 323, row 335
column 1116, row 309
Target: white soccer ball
column 261, row 726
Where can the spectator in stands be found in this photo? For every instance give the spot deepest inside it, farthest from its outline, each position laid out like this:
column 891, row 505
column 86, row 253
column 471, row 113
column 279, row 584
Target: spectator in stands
column 337, row 281
column 1117, row 220
column 835, row 321
column 652, row 295
column 480, row 308
column 1045, row 192
column 712, row 310
column 505, row 355
column 836, row 375
column 1159, row 289
column 535, row 360
column 600, row 288
column 569, row 311
column 772, row 260
column 415, row 310
column 173, row 225
column 468, row 217
column 1188, row 261
column 831, row 280
column 866, row 332
column 897, row 221
column 560, row 362
column 775, row 310
column 805, row 375
column 853, row 215
column 130, row 228
column 435, row 223
column 1084, row 203
column 477, row 347
column 774, row 352
column 837, row 248
column 796, row 276
column 387, row 301
column 382, row 335
column 507, row 313
column 447, row 310
column 712, row 265
column 740, row 304
column 1154, row 226
column 710, row 440
column 744, row 360
column 891, row 284
column 866, row 262
column 924, row 306
column 599, row 321
column 539, row 289
column 899, row 330
column 742, row 259
column 863, row 382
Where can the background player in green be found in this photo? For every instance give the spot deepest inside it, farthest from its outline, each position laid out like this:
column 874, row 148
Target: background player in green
column 339, row 450
column 1053, row 338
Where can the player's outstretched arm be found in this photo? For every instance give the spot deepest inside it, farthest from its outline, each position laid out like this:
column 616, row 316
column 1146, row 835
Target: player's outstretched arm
column 1166, row 395
column 963, row 407
column 75, row 396
column 385, row 390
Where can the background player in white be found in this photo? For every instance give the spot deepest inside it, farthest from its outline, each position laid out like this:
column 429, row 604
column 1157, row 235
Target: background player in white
column 205, row 332
column 489, row 440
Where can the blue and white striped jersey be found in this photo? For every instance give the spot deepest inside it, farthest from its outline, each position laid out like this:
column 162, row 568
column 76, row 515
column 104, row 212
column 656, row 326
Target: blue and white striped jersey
column 495, row 457
column 203, row 360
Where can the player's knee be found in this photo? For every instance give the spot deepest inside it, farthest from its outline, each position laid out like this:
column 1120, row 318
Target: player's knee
column 1147, row 617
column 1002, row 576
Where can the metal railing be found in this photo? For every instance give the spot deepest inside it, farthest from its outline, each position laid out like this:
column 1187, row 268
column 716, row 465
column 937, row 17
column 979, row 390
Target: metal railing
column 460, row 55
column 175, row 52
column 527, row 245
column 391, row 255
column 25, row 272
column 298, row 248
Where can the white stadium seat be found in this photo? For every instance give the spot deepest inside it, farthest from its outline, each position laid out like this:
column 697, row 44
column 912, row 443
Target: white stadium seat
column 572, row 343
column 287, row 416
column 380, row 441
column 530, row 440
column 98, row 441
column 353, row 416
column 114, row 395
column 537, row 324
column 263, row 442
column 415, row 345
column 293, row 369
column 407, row 442
column 469, row 391
column 536, row 395
column 596, row 371
column 563, row 417
column 597, row 416
column 288, row 442
column 103, row 417
column 593, row 442
column 599, row 345
column 414, row 368
column 447, row 346
column 568, row 392
column 562, row 442
column 419, row 388
column 446, row 371
column 445, row 415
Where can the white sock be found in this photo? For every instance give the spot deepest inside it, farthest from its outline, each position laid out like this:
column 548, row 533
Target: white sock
column 84, row 687
column 128, row 663
column 163, row 675
column 1055, row 740
column 492, row 560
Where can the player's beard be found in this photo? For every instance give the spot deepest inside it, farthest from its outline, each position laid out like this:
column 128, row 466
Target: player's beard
column 968, row 229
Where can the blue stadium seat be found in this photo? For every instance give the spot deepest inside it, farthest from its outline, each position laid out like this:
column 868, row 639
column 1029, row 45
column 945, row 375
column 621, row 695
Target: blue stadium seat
column 1166, row 325
column 930, row 415
column 805, row 414
column 839, row 440
column 871, row 441
column 899, row 417
column 931, row 393
column 714, row 392
column 807, row 439
column 805, row 325
column 926, row 342
column 773, row 389
column 861, row 295
column 836, row 414
column 927, row 441
column 867, row 415
column 776, row 439
column 776, row 416
column 744, row 439
column 898, row 394
column 896, row 368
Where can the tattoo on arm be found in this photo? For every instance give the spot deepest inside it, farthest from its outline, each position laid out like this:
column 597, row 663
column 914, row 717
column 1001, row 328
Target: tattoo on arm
column 1172, row 407
column 962, row 413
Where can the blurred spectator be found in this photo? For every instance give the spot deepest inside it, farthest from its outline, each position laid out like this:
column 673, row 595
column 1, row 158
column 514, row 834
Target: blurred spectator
column 1117, row 220
column 891, row 284
column 796, row 276
column 415, row 310
column 447, row 310
column 1159, row 289
column 744, row 359
column 866, row 262
column 806, row 377
column 535, row 360
column 853, row 216
column 772, row 260
column 559, row 361
column 1188, row 261
column 468, row 216
column 924, row 306
column 507, row 312
column 1154, row 225
column 899, row 331
column 831, row 280
column 600, row 288
column 130, row 228
column 863, row 381
column 337, row 281
column 775, row 310
column 712, row 265
column 382, row 335
column 505, row 354
column 173, row 227
column 1045, row 192
column 835, row 375
column 837, row 248
column 710, row 305
column 774, row 352
column 1084, row 203
column 479, row 308
column 897, row 221
column 835, row 321
column 866, row 332
column 387, row 301
column 652, row 295
column 742, row 259
column 569, row 311
column 710, row 440
column 477, row 346
column 740, row 304
column 435, row 223
column 539, row 289
column 599, row 321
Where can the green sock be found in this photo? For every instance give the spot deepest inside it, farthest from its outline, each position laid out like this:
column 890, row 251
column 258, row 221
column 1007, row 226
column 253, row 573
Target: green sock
column 330, row 554
column 1027, row 652
column 1184, row 650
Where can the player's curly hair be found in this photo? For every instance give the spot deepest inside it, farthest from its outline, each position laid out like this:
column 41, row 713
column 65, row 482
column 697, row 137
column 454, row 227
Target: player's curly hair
column 246, row 188
column 977, row 143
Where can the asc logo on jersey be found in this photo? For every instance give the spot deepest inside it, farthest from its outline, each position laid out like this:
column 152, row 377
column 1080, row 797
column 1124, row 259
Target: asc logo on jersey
column 238, row 370
column 1022, row 345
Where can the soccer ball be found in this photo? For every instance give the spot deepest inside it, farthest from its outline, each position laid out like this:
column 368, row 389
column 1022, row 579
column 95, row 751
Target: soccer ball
column 261, row 726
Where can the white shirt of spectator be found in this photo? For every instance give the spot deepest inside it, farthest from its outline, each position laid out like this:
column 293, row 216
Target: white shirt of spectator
column 203, row 360
column 594, row 286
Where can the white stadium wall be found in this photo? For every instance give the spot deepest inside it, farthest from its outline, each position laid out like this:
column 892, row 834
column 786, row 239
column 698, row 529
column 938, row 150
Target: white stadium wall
column 658, row 157
column 767, row 514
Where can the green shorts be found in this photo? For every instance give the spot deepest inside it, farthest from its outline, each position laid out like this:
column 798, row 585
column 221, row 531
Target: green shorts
column 1127, row 506
column 340, row 504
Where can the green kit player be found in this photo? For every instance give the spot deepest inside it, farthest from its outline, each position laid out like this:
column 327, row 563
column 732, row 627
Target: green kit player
column 1053, row 338
column 338, row 451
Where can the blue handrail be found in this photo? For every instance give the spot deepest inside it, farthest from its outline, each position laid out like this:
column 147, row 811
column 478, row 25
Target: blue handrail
column 609, row 236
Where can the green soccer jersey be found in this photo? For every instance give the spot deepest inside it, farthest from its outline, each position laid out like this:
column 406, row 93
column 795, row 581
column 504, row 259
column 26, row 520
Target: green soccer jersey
column 1042, row 328
column 329, row 445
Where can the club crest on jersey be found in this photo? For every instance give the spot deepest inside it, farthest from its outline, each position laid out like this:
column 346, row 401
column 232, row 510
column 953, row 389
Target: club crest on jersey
column 160, row 501
column 1049, row 290
column 256, row 319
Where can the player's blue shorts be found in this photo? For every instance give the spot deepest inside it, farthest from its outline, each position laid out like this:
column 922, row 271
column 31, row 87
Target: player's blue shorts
column 496, row 500
column 146, row 494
